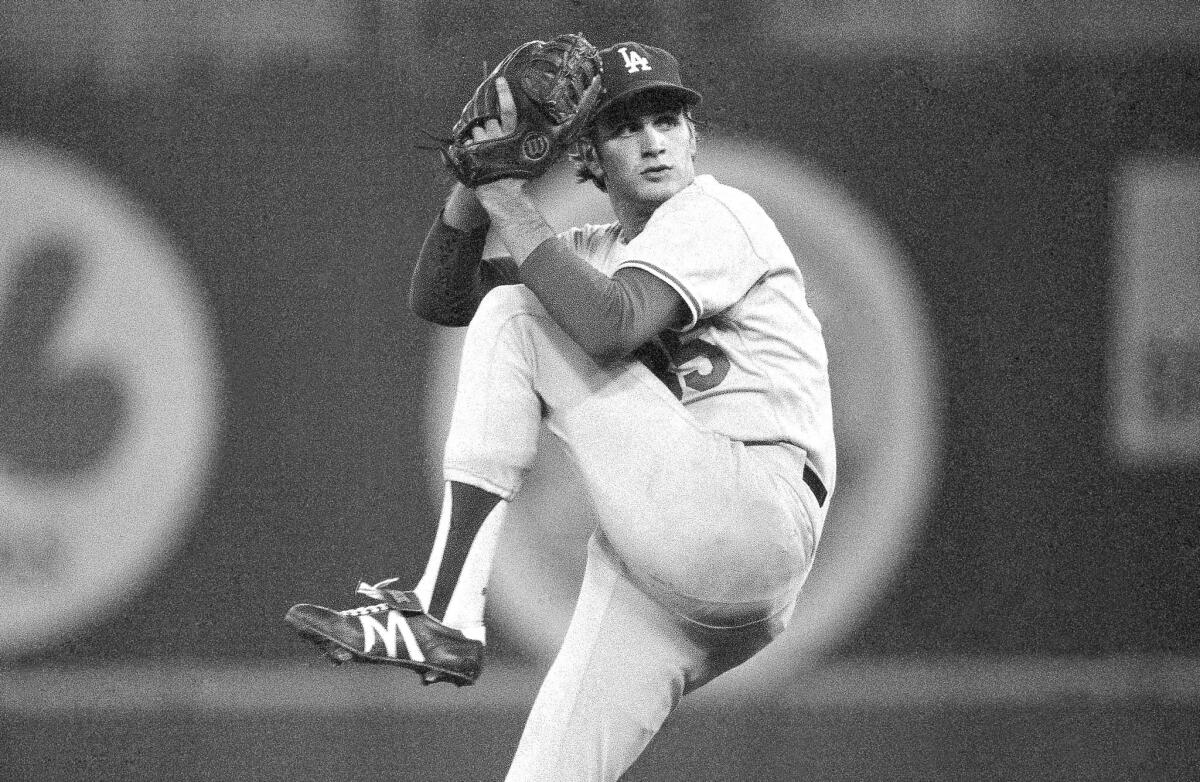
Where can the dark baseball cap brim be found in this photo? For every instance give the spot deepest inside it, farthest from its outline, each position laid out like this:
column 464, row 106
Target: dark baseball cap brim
column 688, row 96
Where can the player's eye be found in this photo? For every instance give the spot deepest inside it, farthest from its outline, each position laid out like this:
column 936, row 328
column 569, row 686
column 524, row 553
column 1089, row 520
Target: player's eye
column 666, row 121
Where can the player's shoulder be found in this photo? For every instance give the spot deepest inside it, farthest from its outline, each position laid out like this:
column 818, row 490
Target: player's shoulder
column 740, row 203
column 723, row 207
column 713, row 200
column 706, row 186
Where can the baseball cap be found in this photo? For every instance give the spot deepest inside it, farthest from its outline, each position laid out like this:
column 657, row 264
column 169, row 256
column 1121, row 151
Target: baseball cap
column 630, row 68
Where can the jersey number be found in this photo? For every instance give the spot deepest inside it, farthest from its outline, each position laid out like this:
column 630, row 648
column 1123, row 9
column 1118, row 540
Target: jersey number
column 698, row 379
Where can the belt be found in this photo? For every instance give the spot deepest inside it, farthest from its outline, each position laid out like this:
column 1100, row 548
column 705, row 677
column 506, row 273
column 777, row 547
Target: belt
column 811, row 479
column 814, row 482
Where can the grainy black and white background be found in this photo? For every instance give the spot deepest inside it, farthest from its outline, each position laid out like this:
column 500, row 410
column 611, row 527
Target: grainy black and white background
column 214, row 402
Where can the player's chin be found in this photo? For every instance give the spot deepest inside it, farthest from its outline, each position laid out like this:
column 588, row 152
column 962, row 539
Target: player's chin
column 657, row 190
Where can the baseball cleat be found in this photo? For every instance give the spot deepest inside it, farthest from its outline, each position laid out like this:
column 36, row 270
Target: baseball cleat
column 334, row 653
column 396, row 631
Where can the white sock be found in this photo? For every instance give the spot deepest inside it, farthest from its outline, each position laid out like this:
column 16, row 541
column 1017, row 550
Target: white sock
column 428, row 580
column 467, row 602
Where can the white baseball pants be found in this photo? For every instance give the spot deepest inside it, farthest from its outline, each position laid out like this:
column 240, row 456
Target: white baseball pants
column 703, row 542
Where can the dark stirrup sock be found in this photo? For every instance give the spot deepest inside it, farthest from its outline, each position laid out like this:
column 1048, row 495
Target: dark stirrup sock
column 469, row 508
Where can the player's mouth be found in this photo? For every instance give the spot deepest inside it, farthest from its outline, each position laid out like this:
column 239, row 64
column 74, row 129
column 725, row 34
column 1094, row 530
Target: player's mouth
column 655, row 169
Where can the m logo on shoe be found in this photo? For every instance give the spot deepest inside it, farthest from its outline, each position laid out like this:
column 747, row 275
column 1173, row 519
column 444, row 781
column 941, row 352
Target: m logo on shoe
column 108, row 385
column 374, row 631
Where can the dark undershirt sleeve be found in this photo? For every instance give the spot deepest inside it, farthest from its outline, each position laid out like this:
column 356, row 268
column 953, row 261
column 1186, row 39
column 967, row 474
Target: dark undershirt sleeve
column 608, row 317
column 451, row 277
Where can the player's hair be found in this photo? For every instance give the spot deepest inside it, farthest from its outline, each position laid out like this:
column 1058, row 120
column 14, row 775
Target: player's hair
column 584, row 151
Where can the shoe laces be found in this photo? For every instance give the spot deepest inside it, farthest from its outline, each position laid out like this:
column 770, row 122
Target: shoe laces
column 370, row 590
column 375, row 591
column 377, row 608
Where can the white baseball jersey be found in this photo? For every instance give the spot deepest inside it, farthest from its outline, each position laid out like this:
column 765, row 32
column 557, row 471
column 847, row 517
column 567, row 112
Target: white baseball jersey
column 751, row 362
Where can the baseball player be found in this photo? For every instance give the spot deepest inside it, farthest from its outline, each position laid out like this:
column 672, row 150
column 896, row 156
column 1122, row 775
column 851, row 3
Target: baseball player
column 674, row 354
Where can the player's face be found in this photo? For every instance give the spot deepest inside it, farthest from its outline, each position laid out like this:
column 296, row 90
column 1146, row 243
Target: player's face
column 646, row 152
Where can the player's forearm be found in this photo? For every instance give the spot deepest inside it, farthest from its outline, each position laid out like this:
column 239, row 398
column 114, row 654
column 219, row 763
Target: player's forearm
column 463, row 210
column 608, row 317
column 446, row 283
column 580, row 299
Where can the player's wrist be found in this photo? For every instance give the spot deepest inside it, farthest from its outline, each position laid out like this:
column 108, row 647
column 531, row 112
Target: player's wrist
column 515, row 217
column 506, row 193
column 463, row 211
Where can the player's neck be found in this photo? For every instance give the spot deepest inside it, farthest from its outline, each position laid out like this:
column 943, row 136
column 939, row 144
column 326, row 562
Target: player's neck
column 632, row 217
column 634, row 213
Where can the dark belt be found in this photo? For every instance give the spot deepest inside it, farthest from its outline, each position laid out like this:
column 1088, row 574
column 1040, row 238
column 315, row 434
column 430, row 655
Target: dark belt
column 814, row 482
column 811, row 479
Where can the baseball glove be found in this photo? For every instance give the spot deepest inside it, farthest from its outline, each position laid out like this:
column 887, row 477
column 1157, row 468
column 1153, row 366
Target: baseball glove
column 553, row 85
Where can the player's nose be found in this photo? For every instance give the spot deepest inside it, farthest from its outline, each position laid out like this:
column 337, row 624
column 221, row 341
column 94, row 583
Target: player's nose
column 654, row 141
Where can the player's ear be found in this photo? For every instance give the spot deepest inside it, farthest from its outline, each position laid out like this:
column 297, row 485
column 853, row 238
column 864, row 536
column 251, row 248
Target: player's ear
column 589, row 157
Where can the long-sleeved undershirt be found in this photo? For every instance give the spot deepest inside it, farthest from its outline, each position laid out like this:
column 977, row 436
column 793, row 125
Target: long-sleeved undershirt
column 608, row 317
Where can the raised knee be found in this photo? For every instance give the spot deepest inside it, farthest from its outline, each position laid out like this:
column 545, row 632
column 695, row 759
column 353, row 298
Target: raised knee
column 504, row 301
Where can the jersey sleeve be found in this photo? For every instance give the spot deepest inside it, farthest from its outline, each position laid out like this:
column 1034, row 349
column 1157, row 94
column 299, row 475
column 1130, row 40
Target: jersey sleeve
column 695, row 244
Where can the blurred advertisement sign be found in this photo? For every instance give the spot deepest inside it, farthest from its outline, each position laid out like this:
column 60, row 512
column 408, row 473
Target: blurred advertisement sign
column 108, row 390
column 1155, row 359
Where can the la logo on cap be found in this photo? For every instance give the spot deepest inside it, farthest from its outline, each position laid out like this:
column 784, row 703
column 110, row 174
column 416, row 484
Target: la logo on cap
column 634, row 61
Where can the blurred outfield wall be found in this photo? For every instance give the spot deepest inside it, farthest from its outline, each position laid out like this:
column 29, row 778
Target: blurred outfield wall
column 277, row 202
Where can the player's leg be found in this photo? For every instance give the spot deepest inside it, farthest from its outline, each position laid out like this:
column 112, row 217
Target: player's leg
column 647, row 458
column 624, row 664
column 402, row 628
column 723, row 536
column 500, row 416
column 461, row 546
column 721, row 528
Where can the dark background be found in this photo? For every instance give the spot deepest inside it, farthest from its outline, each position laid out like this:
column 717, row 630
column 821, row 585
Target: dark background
column 298, row 197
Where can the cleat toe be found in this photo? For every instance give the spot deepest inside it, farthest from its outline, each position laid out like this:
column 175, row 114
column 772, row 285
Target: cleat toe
column 340, row 655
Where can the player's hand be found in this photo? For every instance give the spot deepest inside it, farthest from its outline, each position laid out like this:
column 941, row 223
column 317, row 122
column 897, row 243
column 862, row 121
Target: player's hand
column 502, row 189
column 493, row 128
column 505, row 200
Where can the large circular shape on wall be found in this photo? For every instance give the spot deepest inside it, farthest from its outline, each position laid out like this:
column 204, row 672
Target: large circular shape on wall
column 108, row 396
column 884, row 383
